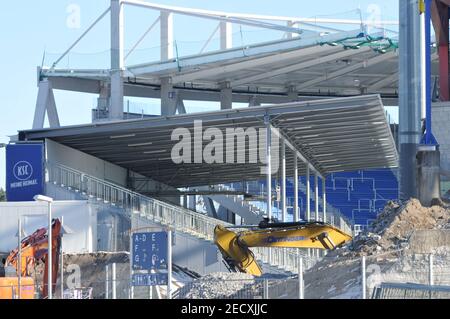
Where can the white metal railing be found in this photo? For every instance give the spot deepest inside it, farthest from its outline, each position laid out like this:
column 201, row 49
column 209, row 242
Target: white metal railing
column 181, row 219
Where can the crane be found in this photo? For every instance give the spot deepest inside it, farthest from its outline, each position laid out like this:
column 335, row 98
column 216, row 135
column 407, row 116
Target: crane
column 235, row 246
column 33, row 249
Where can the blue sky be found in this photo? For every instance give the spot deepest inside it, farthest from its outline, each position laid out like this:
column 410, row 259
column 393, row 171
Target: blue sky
column 30, row 28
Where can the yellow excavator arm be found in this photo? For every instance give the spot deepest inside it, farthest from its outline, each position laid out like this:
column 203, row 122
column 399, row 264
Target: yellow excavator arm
column 235, row 246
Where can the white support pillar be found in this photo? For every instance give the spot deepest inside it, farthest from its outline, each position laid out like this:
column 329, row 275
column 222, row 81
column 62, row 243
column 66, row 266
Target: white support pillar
column 168, row 98
column 226, row 35
column 296, row 210
column 117, row 61
column 226, row 96
column 316, row 197
column 166, row 20
column 268, row 166
column 324, row 199
column 283, row 182
column 114, row 281
column 308, row 194
column 45, row 103
column 292, row 24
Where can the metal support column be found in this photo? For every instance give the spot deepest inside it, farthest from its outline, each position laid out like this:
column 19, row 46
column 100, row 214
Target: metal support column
column 363, row 277
column 19, row 258
column 168, row 97
column 226, row 96
column 166, row 29
column 283, row 182
column 117, row 61
column 114, row 290
column 296, row 210
column 268, row 166
column 226, row 35
column 316, row 197
column 324, row 199
column 308, row 193
column 409, row 96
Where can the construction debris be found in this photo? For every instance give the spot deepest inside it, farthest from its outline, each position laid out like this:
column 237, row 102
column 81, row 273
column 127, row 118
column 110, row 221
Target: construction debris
column 218, row 285
column 394, row 226
column 386, row 243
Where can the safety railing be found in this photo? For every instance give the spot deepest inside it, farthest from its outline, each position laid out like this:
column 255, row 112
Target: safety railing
column 180, row 218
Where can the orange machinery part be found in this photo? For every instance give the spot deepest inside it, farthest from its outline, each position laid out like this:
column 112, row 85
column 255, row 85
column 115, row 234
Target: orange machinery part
column 9, row 288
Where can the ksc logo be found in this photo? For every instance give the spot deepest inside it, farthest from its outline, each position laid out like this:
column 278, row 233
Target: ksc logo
column 23, row 171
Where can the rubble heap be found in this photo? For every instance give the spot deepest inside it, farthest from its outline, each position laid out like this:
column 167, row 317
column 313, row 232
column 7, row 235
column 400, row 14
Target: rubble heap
column 394, row 225
column 218, row 285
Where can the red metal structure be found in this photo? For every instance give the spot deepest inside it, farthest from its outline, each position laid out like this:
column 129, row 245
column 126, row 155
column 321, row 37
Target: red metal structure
column 440, row 17
column 34, row 248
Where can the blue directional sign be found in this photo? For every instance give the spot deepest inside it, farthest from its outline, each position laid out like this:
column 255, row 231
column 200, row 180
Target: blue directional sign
column 149, row 251
column 159, row 279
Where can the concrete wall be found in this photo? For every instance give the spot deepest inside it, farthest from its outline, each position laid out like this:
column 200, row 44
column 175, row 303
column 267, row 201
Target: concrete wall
column 441, row 130
column 79, row 216
column 72, row 158
column 61, row 154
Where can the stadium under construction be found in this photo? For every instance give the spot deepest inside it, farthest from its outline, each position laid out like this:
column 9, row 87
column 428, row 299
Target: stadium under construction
column 296, row 152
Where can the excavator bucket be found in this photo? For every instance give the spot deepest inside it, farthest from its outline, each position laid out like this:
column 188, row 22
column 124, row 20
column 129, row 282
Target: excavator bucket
column 236, row 256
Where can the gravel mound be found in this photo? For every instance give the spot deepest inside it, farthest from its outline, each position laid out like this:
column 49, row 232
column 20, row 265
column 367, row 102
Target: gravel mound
column 386, row 243
column 218, row 285
column 394, row 225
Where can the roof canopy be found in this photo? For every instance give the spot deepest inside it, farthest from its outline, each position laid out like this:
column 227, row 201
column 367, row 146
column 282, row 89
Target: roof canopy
column 333, row 135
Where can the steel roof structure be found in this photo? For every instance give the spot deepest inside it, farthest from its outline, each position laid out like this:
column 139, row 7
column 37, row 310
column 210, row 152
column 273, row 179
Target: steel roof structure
column 332, row 135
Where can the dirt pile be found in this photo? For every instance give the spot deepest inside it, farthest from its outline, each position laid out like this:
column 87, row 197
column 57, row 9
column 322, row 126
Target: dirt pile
column 386, row 243
column 394, row 225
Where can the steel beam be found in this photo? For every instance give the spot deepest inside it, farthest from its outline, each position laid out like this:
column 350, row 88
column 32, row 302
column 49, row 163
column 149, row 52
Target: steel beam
column 410, row 99
column 268, row 166
column 316, row 197
column 283, row 182
column 308, row 193
column 117, row 61
column 166, row 30
column 365, row 64
column 296, row 210
column 226, row 35
column 300, row 66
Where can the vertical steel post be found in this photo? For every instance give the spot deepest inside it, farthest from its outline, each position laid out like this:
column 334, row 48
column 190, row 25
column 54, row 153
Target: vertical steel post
column 363, row 275
column 266, row 289
column 409, row 96
column 19, row 263
column 268, row 166
column 107, row 282
column 296, row 210
column 431, row 272
column 301, row 292
column 169, row 264
column 316, row 196
column 113, row 274
column 117, row 60
column 308, row 193
column 324, row 198
column 283, row 181
column 49, row 253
